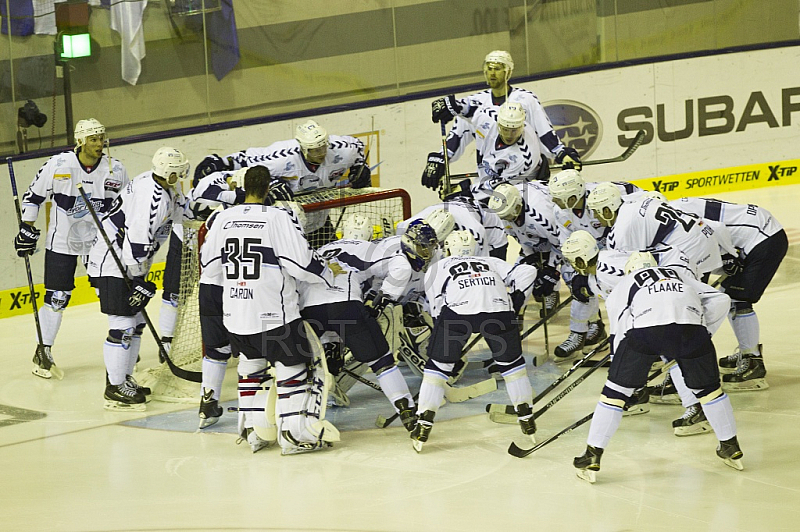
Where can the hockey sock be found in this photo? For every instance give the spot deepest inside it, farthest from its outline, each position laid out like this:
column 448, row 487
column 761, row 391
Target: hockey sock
column 167, row 318
column 608, row 414
column 581, row 313
column 518, row 385
column 213, row 375
column 252, row 372
column 50, row 321
column 394, row 385
column 133, row 352
column 719, row 413
column 434, row 379
column 115, row 355
column 744, row 323
column 686, row 395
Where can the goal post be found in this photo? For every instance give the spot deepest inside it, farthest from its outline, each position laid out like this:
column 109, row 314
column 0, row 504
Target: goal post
column 325, row 211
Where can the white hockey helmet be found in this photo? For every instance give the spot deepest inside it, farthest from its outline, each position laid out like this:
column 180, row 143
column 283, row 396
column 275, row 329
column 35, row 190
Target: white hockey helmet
column 506, row 201
column 87, row 128
column 357, row 227
column 171, row 165
column 604, row 202
column 311, row 136
column 655, row 194
column 565, row 185
column 579, row 250
column 511, row 115
column 236, row 179
column 639, row 260
column 442, row 222
column 294, row 209
column 460, row 244
column 502, row 57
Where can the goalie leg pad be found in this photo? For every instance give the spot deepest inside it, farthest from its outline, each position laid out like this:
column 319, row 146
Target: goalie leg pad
column 252, row 373
column 264, row 412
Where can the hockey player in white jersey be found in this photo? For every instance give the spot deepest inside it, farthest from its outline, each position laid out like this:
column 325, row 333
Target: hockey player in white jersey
column 138, row 224
column 71, row 231
column 761, row 244
column 497, row 68
column 340, row 309
column 263, row 252
column 570, row 192
column 658, row 312
column 470, row 294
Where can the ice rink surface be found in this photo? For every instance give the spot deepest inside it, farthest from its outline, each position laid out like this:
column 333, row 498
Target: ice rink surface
column 67, row 464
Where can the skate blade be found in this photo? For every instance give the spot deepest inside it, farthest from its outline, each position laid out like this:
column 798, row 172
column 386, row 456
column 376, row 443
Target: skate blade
column 636, row 410
column 259, row 445
column 54, row 371
column 698, row 428
column 302, row 449
column 735, row 463
column 417, row 445
column 207, row 422
column 566, row 359
column 114, row 406
column 588, row 475
column 746, row 386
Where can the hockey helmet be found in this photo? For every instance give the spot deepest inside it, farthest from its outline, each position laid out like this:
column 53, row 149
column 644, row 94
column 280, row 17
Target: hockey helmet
column 604, row 202
column 357, row 227
column 295, row 209
column 566, row 185
column 236, row 178
column 581, row 251
column 442, row 222
column 313, row 140
column 506, row 201
column 655, row 194
column 511, row 121
column 500, row 57
column 460, row 244
column 171, row 165
column 87, row 128
column 418, row 244
column 639, row 260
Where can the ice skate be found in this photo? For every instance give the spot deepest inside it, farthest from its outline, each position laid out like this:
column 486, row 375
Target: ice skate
column 210, row 411
column 664, row 393
column 143, row 389
column 730, row 453
column 289, row 445
column 123, row 397
column 749, row 376
column 638, row 403
column 693, row 421
column 596, row 334
column 407, row 415
column 256, row 443
column 588, row 464
column 571, row 346
column 526, row 422
column 43, row 364
column 549, row 303
column 422, row 430
column 730, row 363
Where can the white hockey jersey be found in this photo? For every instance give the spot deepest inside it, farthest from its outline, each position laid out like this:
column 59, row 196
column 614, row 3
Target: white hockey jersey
column 571, row 220
column 465, row 129
column 138, row 223
column 474, row 285
column 611, row 267
column 647, row 222
column 485, row 226
column 72, row 230
column 539, row 231
column 748, row 225
column 399, row 281
column 263, row 253
column 213, row 190
column 661, row 296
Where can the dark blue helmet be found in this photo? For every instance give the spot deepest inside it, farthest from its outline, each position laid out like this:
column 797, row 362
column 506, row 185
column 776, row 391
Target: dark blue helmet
column 418, row 244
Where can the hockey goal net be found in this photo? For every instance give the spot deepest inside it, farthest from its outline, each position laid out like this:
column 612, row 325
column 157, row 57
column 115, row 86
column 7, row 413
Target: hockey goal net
column 325, row 213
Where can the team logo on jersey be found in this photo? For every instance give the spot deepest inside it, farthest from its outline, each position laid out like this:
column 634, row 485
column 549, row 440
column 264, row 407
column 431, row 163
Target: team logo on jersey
column 79, row 209
column 577, row 125
column 62, row 177
column 112, row 184
column 289, row 166
column 337, row 158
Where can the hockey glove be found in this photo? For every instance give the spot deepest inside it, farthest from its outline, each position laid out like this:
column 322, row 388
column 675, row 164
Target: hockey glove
column 445, row 109
column 580, row 288
column 201, row 211
column 378, row 303
column 732, row 264
column 545, row 282
column 434, row 171
column 209, row 165
column 334, row 357
column 336, row 268
column 360, row 176
column 141, row 293
column 518, row 300
column 25, row 241
column 569, row 158
column 279, row 190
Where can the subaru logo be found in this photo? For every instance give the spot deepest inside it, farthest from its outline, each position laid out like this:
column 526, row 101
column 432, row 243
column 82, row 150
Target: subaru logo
column 577, row 125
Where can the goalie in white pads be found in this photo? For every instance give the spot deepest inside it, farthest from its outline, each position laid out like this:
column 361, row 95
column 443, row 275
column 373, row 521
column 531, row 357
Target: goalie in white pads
column 263, row 252
column 138, row 224
column 471, row 294
column 70, row 231
column 655, row 312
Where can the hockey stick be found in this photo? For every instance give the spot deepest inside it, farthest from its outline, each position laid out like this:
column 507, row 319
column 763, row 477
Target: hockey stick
column 383, row 422
column 358, row 176
column 518, row 452
column 445, row 190
column 192, row 376
column 55, row 371
column 637, row 141
column 546, row 317
column 362, row 380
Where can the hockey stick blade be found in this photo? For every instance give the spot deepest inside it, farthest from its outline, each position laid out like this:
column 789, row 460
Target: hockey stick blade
column 464, row 393
column 519, row 452
column 637, row 141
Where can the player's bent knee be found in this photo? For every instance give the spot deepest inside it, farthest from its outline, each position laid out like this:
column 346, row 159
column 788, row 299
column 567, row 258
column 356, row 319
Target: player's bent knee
column 708, row 394
column 120, row 337
column 615, row 395
column 741, row 308
column 382, row 364
column 57, row 299
column 221, row 354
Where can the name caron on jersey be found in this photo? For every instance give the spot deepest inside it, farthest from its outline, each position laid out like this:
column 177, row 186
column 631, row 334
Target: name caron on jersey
column 241, row 293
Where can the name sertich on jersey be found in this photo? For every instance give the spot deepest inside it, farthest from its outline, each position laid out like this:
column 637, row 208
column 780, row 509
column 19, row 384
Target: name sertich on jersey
column 138, row 223
column 658, row 296
column 262, row 253
column 473, row 285
column 72, row 230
